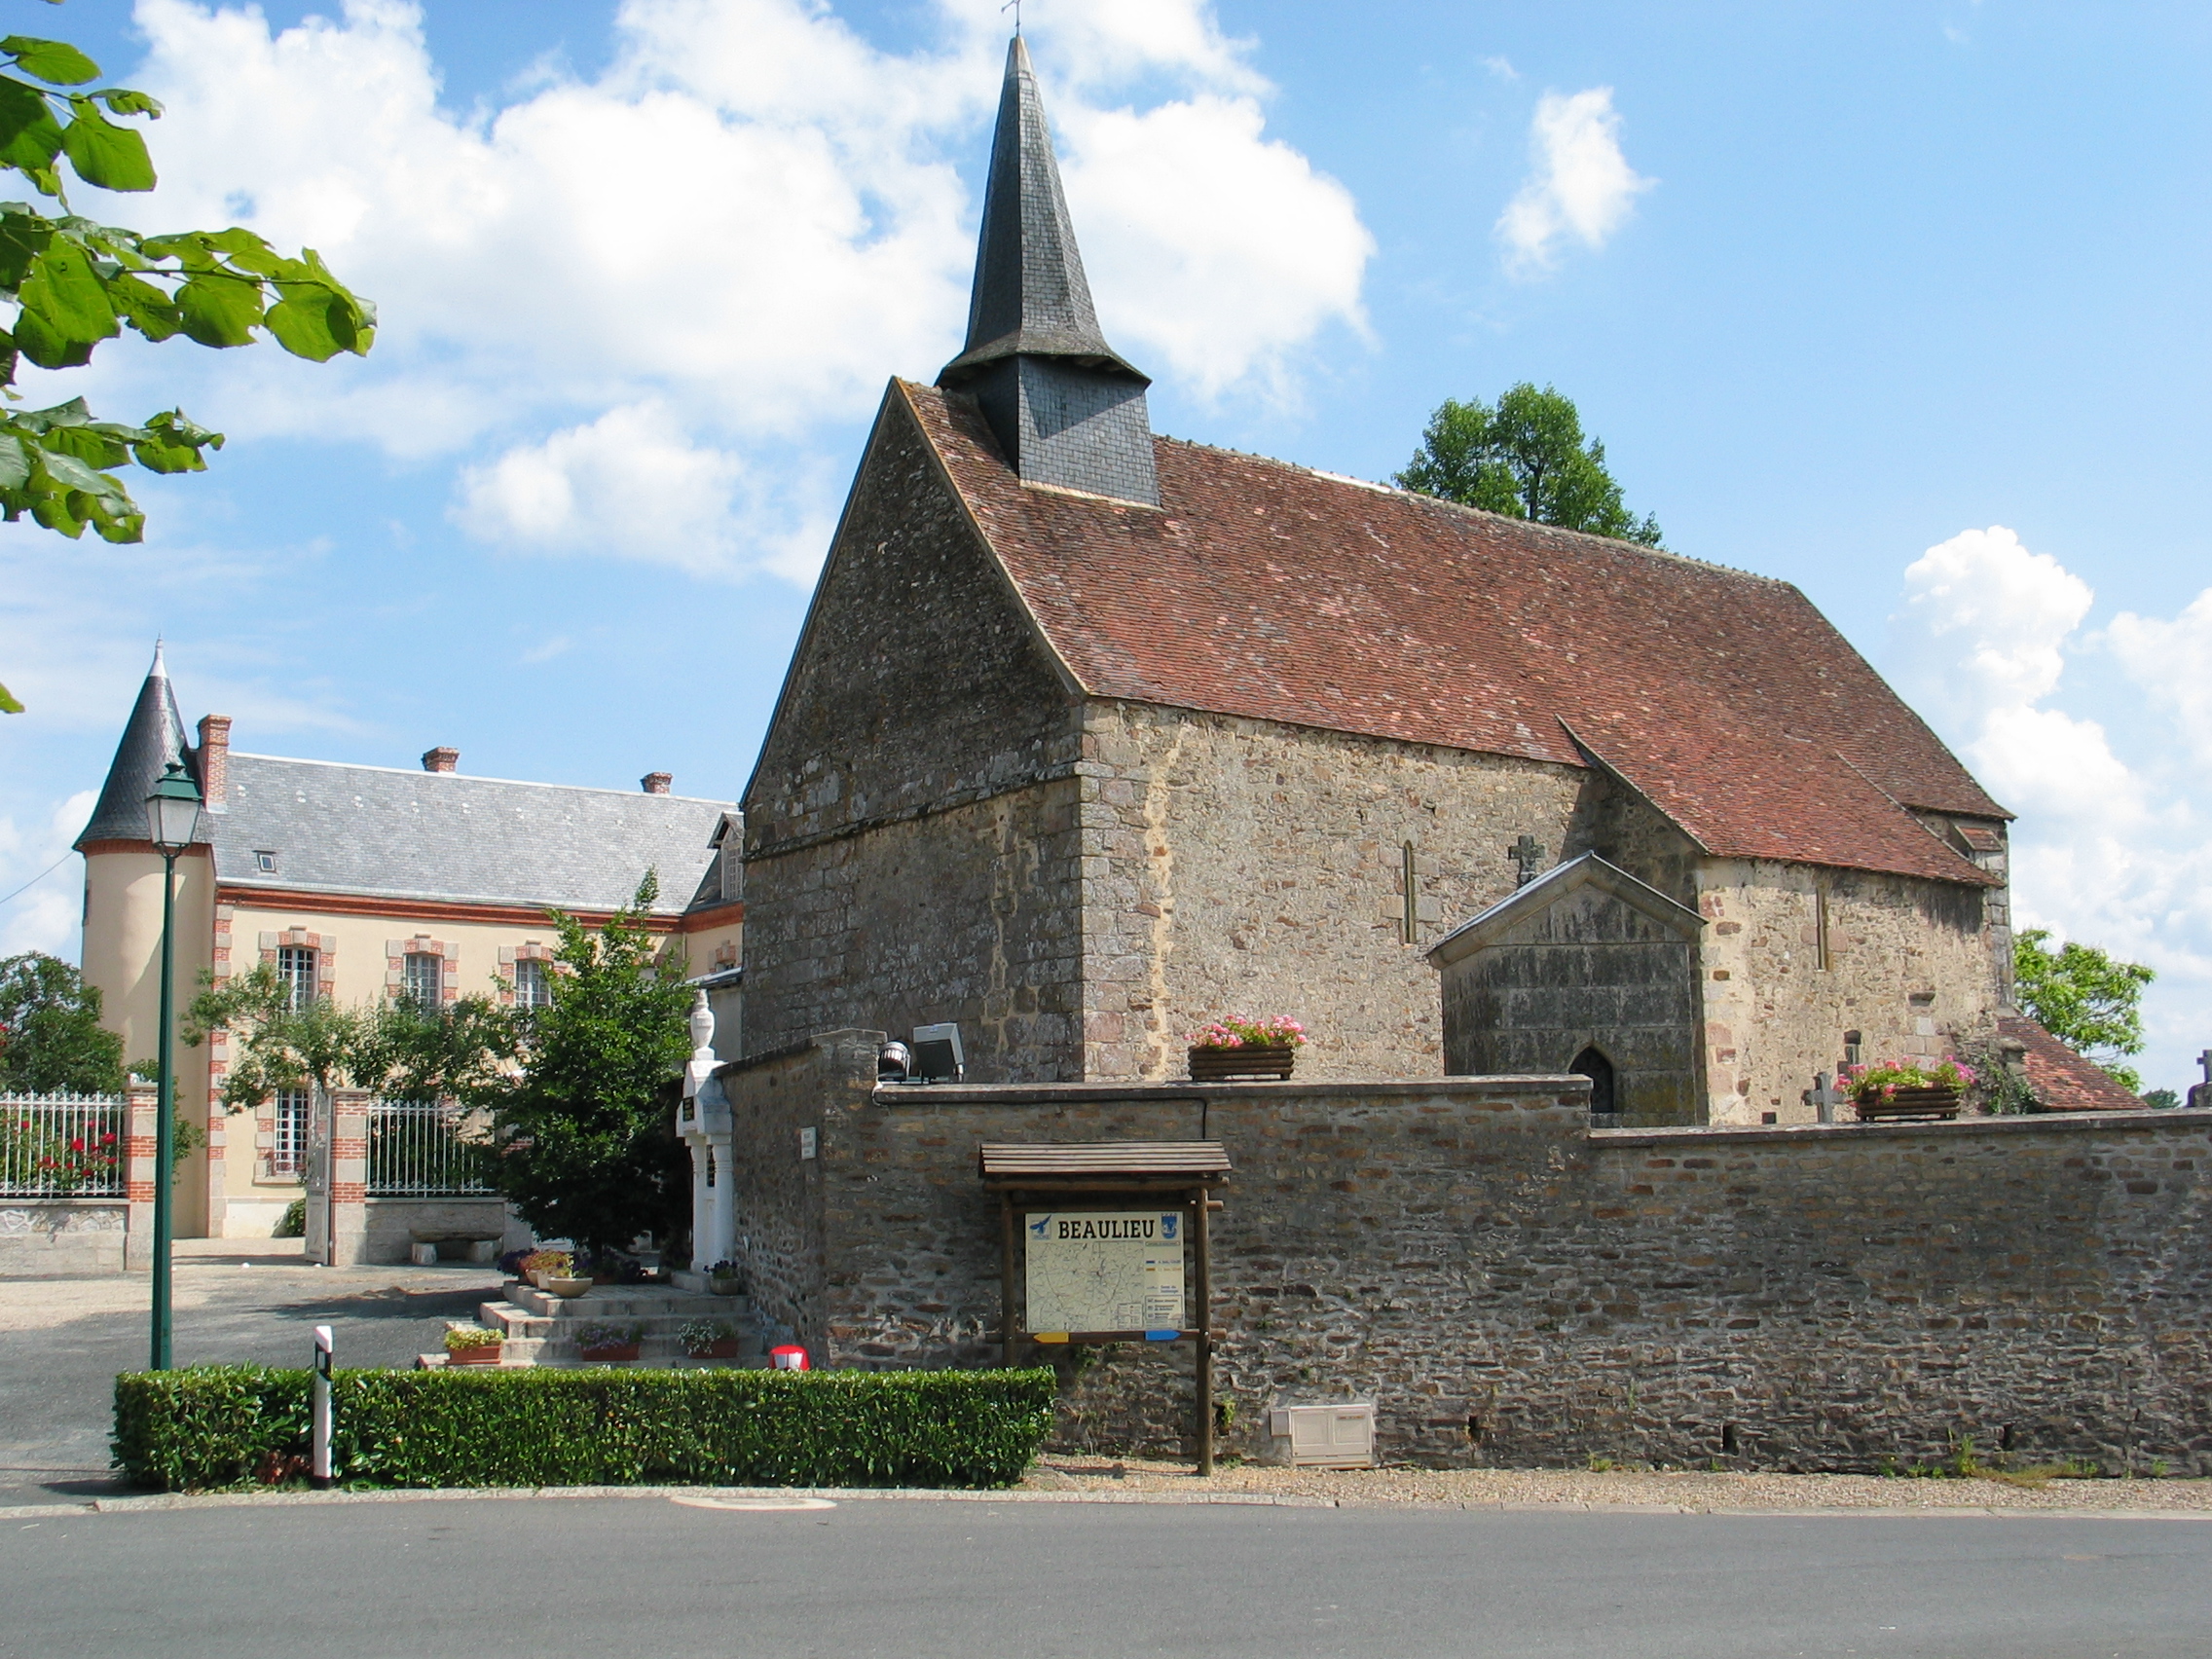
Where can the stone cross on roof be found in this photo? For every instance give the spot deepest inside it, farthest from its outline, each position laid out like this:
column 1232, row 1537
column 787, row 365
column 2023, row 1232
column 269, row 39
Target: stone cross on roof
column 1529, row 853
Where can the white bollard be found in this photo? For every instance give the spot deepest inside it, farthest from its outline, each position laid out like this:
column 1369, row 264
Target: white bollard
column 318, row 1474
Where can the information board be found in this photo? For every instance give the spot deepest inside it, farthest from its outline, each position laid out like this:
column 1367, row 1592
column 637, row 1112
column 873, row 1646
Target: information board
column 1104, row 1269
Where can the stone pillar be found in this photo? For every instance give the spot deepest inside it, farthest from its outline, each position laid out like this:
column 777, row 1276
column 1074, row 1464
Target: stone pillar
column 702, row 1194
column 348, row 1177
column 724, row 1218
column 140, row 1155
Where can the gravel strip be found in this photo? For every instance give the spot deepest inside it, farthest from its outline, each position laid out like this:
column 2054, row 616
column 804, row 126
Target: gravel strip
column 1685, row 1490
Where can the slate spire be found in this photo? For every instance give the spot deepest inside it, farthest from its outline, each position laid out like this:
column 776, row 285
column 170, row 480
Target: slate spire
column 152, row 738
column 1066, row 407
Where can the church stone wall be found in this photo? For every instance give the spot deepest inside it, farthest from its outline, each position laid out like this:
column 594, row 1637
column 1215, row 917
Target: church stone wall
column 1512, row 1288
column 1907, row 968
column 1239, row 866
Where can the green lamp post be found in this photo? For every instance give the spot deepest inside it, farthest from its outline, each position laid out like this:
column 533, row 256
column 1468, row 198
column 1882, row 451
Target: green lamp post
column 172, row 816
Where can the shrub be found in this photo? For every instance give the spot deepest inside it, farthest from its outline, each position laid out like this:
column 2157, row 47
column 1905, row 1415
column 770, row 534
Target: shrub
column 220, row 1425
column 459, row 1337
column 293, row 1223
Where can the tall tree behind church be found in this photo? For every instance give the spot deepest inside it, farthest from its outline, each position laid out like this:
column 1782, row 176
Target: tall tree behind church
column 1526, row 458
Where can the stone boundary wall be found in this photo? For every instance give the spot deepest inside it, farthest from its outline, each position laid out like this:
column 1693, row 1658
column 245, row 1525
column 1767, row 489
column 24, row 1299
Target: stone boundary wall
column 1512, row 1288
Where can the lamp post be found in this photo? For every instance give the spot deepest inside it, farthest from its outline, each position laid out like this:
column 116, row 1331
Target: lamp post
column 172, row 815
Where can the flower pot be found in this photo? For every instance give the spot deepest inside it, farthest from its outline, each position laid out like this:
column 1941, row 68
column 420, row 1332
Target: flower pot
column 566, row 1286
column 1933, row 1104
column 612, row 1353
column 1250, row 1061
column 726, row 1286
column 483, row 1353
column 726, row 1348
column 537, row 1279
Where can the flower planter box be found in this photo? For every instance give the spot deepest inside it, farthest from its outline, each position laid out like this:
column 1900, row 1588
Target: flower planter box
column 1251, row 1060
column 483, row 1353
column 612, row 1353
column 566, row 1287
column 1932, row 1105
column 726, row 1286
column 726, row 1348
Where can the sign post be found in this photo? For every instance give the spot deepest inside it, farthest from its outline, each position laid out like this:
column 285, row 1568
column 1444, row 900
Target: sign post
column 1098, row 1268
column 318, row 1470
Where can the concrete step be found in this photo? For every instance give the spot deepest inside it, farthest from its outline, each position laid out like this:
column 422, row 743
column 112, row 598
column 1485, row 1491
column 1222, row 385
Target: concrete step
column 519, row 1322
column 509, row 1360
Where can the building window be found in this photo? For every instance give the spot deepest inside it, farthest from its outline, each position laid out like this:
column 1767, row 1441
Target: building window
column 295, row 969
column 1821, row 958
column 533, row 988
column 425, row 981
column 265, row 861
column 288, row 1149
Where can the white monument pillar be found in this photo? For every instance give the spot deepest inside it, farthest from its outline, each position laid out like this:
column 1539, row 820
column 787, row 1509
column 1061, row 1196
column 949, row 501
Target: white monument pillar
column 702, row 1124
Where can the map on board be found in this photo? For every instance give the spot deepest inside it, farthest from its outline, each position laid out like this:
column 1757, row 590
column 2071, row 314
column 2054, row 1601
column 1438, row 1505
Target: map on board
column 1105, row 1269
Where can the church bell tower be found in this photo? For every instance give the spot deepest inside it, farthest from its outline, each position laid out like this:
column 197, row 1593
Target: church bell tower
column 1066, row 408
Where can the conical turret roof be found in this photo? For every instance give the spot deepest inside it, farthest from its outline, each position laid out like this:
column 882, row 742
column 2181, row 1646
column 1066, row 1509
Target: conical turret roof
column 1031, row 297
column 152, row 738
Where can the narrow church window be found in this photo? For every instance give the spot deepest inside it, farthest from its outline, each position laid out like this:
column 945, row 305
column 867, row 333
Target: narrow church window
column 1593, row 1064
column 1821, row 929
column 1413, row 898
column 1851, row 1048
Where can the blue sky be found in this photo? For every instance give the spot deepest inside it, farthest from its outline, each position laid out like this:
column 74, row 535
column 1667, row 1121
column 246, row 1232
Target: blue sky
column 1838, row 286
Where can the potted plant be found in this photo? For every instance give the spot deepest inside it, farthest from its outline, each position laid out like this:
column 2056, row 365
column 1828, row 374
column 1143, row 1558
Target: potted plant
column 1905, row 1090
column 1240, row 1047
column 607, row 1345
column 706, row 1339
column 540, row 1265
column 724, row 1278
column 472, row 1344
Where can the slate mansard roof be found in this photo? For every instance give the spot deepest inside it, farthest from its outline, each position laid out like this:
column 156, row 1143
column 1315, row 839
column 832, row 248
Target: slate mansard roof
column 1267, row 590
column 387, row 832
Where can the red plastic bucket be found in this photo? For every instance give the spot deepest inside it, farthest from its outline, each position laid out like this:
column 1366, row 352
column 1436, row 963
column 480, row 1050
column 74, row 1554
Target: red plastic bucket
column 789, row 1358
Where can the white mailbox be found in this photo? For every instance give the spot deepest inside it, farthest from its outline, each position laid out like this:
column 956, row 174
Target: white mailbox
column 1336, row 1436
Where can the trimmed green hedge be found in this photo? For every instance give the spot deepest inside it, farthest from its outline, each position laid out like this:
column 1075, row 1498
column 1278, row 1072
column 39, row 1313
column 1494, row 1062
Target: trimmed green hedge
column 236, row 1424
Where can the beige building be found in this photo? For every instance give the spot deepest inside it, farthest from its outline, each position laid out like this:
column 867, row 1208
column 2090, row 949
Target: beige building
column 359, row 883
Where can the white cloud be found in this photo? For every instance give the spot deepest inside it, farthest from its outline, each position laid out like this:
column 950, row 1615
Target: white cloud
column 2111, row 853
column 1502, row 68
column 44, row 915
column 2172, row 663
column 747, row 221
column 1580, row 184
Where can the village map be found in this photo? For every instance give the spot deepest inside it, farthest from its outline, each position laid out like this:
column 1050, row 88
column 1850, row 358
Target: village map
column 1104, row 1269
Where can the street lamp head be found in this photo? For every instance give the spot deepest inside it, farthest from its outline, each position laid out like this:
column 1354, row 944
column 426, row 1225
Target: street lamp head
column 172, row 810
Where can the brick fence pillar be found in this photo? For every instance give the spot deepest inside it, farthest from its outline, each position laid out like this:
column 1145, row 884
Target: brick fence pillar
column 348, row 1177
column 141, row 1104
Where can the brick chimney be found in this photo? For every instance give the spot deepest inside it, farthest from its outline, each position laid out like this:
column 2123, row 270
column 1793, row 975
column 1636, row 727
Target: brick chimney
column 656, row 783
column 440, row 759
column 215, row 760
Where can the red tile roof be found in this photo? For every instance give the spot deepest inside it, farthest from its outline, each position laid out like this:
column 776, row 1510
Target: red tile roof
column 1269, row 591
column 2064, row 1080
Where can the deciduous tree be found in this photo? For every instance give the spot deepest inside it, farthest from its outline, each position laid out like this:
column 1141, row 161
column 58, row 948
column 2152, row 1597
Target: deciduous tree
column 1527, row 457
column 2085, row 998
column 51, row 1036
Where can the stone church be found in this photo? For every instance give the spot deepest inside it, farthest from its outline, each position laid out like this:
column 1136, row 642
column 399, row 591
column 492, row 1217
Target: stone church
column 1093, row 735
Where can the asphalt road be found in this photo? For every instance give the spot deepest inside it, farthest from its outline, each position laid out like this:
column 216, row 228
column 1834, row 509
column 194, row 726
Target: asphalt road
column 644, row 1577
column 63, row 1341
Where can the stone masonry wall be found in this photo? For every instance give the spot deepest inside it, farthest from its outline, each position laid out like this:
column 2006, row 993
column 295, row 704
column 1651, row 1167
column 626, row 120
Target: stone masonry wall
column 1239, row 866
column 1907, row 968
column 1512, row 1288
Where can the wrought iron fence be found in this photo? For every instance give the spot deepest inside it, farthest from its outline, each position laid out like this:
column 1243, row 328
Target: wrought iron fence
column 61, row 1146
column 419, row 1151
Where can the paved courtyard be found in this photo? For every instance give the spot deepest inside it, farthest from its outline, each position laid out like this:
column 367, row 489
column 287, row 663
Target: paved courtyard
column 63, row 1341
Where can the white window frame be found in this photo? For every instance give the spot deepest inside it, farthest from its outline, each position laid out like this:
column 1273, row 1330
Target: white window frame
column 297, row 965
column 422, row 979
column 533, row 983
column 289, row 1113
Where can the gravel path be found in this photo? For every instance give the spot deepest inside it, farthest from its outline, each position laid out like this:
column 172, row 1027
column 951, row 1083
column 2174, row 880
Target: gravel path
column 1694, row 1490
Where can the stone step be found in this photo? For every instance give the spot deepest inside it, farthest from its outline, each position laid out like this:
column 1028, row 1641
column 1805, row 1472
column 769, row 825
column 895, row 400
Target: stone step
column 625, row 1301
column 522, row 1322
column 651, row 1350
column 509, row 1360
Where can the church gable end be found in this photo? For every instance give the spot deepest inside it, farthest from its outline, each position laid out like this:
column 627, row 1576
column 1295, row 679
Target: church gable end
column 919, row 683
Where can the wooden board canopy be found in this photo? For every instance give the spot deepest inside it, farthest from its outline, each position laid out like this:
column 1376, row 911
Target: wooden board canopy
column 1082, row 1175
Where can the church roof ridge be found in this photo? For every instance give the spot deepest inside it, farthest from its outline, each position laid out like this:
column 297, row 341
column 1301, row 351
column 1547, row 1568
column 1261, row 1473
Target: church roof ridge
column 1423, row 497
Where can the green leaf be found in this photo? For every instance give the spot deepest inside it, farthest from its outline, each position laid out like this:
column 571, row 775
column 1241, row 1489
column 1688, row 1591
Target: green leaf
column 146, row 308
column 220, row 309
column 14, row 464
column 22, row 236
column 122, row 101
column 7, row 703
column 29, row 135
column 309, row 325
column 55, row 60
column 66, row 296
column 112, row 157
column 86, row 444
column 37, row 339
column 71, row 472
column 172, row 443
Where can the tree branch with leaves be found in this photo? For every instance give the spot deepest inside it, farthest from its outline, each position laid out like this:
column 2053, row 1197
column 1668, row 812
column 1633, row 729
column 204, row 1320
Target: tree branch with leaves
column 76, row 284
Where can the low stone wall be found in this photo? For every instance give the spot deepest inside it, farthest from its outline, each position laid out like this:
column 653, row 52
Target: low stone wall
column 61, row 1237
column 392, row 1227
column 1512, row 1288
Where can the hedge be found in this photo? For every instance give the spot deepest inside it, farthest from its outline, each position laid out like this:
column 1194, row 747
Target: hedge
column 233, row 1426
